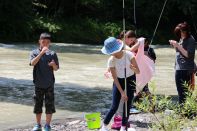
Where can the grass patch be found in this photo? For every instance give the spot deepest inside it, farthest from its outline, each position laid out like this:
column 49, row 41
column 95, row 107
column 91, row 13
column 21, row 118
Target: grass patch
column 171, row 116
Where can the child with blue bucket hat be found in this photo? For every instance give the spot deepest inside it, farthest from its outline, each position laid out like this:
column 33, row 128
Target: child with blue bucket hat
column 122, row 64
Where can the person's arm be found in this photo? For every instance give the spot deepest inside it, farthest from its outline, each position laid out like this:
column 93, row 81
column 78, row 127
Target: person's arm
column 114, row 75
column 180, row 48
column 54, row 63
column 134, row 48
column 35, row 60
column 134, row 66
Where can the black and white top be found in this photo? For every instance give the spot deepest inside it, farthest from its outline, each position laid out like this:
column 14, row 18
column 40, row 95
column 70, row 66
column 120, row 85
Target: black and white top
column 43, row 75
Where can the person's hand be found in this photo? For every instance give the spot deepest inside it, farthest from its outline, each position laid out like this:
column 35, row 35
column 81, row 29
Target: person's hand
column 173, row 43
column 132, row 66
column 44, row 50
column 52, row 63
column 124, row 96
column 135, row 69
column 107, row 74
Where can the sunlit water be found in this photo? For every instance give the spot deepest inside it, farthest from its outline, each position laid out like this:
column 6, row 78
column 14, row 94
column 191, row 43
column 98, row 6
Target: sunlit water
column 80, row 83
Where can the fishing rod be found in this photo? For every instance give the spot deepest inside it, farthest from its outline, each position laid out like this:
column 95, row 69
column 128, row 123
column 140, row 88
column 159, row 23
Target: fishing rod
column 125, row 70
column 134, row 16
column 164, row 5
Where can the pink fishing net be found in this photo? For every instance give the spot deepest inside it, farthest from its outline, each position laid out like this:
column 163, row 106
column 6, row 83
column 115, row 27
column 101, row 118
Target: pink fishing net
column 146, row 66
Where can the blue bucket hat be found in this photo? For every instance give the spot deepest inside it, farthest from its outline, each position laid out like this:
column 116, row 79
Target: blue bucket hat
column 111, row 46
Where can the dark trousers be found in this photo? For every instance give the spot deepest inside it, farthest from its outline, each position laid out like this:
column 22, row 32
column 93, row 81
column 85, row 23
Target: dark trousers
column 140, row 95
column 47, row 95
column 117, row 97
column 182, row 78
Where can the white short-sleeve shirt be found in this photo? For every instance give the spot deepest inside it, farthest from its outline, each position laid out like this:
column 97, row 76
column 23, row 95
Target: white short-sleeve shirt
column 119, row 64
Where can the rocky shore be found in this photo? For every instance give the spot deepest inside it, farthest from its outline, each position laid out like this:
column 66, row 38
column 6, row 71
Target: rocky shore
column 140, row 122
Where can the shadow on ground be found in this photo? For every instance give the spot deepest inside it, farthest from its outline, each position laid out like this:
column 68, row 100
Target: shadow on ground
column 69, row 96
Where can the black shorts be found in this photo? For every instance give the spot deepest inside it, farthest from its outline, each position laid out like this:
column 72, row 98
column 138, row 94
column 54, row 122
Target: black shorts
column 47, row 95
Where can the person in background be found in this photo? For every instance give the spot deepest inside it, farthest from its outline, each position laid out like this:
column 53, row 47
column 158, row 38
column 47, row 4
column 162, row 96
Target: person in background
column 133, row 45
column 149, row 51
column 184, row 63
column 44, row 62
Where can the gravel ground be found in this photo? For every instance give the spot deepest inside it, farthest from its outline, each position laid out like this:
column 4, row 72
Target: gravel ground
column 140, row 122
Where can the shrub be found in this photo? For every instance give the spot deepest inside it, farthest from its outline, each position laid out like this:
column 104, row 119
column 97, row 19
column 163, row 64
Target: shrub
column 178, row 118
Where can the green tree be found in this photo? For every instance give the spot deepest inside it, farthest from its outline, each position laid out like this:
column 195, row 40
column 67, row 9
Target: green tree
column 15, row 19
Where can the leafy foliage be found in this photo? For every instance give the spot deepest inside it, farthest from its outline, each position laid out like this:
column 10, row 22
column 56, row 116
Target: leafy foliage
column 20, row 20
column 169, row 115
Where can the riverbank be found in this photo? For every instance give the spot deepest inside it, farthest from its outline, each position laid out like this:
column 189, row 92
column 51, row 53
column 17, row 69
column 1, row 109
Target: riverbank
column 18, row 115
column 140, row 122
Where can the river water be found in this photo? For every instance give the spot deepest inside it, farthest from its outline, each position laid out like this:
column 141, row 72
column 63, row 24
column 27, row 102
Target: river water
column 80, row 83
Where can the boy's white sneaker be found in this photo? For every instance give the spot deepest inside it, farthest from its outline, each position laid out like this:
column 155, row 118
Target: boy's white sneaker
column 104, row 128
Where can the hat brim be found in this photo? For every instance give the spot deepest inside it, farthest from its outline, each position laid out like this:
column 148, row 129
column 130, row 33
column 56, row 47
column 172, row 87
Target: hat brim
column 104, row 51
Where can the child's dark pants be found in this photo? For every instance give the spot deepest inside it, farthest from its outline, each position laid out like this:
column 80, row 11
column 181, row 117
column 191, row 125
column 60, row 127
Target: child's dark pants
column 117, row 97
column 47, row 95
